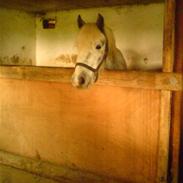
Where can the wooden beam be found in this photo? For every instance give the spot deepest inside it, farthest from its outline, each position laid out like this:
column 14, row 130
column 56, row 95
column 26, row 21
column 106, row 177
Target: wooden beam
column 51, row 171
column 164, row 134
column 9, row 174
column 169, row 31
column 132, row 79
column 47, row 5
column 166, row 96
column 176, row 145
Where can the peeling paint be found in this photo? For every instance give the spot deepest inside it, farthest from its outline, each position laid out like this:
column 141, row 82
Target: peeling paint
column 15, row 60
column 17, row 37
column 138, row 32
column 66, row 58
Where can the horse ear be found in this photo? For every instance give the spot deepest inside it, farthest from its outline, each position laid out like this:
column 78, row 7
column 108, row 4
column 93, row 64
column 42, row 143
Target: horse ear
column 100, row 22
column 80, row 21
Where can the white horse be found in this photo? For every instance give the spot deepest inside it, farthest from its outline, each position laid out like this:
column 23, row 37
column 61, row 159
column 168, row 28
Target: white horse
column 96, row 50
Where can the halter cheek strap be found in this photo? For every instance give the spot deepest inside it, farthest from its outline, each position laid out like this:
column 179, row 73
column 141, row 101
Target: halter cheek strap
column 95, row 70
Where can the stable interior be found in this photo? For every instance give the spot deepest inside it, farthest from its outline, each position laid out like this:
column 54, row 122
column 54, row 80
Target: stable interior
column 116, row 131
column 137, row 26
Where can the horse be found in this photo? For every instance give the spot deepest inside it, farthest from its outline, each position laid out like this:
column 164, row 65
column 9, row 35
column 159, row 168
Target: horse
column 97, row 50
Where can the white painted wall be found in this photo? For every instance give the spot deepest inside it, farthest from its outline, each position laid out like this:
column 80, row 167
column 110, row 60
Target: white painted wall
column 17, row 37
column 138, row 30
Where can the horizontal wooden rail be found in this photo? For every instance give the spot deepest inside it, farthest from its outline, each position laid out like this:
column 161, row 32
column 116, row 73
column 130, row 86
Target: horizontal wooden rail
column 132, row 79
column 52, row 171
column 36, row 6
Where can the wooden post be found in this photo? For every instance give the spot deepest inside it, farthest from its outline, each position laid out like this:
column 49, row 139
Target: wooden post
column 165, row 105
column 176, row 144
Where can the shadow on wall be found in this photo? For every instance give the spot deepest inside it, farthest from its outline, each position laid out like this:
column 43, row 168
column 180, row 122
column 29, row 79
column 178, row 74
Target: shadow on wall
column 138, row 61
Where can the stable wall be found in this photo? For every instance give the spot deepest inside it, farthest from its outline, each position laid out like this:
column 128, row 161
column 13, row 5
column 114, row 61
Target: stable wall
column 110, row 131
column 107, row 130
column 138, row 30
column 17, row 38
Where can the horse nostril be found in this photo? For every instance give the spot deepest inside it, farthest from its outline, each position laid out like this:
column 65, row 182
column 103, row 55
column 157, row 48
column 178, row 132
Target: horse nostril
column 81, row 80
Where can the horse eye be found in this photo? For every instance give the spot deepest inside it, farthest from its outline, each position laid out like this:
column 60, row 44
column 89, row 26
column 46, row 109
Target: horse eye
column 98, row 47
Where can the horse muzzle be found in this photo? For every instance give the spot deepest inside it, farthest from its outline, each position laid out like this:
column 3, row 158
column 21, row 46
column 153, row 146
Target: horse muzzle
column 82, row 80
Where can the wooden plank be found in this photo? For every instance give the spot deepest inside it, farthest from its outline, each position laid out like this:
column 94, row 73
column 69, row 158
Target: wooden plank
column 47, row 5
column 132, row 79
column 176, row 132
column 165, row 105
column 176, row 163
column 14, row 175
column 164, row 134
column 46, row 171
column 169, row 37
column 110, row 131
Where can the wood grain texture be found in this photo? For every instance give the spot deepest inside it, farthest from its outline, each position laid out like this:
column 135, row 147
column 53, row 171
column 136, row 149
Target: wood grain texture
column 164, row 135
column 169, row 36
column 166, row 96
column 176, row 158
column 105, row 130
column 176, row 132
column 48, row 5
column 132, row 79
column 14, row 175
column 36, row 170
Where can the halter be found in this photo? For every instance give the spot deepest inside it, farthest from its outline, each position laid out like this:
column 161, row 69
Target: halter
column 95, row 70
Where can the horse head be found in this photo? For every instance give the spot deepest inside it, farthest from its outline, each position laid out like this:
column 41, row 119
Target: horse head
column 91, row 44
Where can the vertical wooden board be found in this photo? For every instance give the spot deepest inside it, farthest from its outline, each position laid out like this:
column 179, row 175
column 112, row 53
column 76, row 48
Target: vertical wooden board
column 164, row 135
column 169, row 36
column 176, row 132
column 107, row 130
column 165, row 104
column 176, row 165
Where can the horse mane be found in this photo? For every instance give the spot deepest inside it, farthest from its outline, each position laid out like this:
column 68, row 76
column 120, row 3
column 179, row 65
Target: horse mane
column 111, row 41
column 114, row 59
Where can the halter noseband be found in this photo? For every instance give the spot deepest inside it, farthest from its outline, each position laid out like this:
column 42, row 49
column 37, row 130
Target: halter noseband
column 95, row 70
